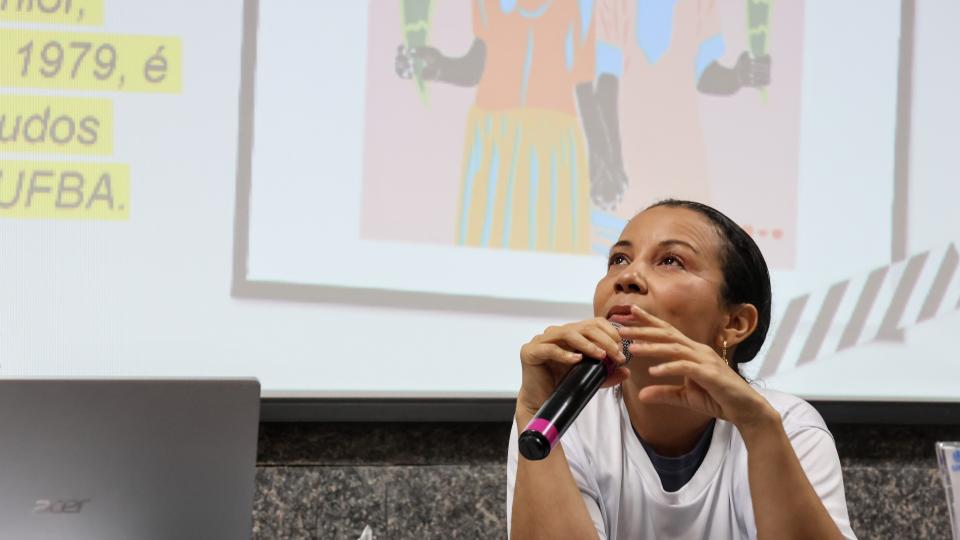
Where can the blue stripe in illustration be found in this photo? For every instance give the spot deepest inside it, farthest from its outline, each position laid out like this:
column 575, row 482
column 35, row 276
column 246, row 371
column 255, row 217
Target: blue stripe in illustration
column 473, row 165
column 553, row 199
column 534, row 13
column 604, row 220
column 491, row 196
column 532, row 214
column 483, row 12
column 573, row 191
column 508, row 207
column 527, row 63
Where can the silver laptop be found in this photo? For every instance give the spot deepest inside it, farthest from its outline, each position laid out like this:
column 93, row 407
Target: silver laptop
column 127, row 459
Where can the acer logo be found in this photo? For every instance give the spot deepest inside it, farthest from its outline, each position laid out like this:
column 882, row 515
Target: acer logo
column 59, row 506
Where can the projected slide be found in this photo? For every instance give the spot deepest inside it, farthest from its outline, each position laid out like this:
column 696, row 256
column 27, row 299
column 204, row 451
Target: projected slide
column 291, row 189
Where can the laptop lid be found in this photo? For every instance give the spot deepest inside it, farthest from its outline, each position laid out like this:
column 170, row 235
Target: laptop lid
column 127, row 458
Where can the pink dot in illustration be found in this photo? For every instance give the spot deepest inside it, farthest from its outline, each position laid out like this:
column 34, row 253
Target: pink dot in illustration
column 778, row 234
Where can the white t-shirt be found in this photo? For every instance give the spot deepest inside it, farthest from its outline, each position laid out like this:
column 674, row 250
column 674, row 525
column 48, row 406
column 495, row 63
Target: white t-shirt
column 623, row 494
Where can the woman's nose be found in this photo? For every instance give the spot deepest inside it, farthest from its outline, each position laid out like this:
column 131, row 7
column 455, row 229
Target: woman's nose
column 631, row 282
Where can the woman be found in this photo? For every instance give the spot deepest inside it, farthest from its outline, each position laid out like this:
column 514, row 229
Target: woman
column 677, row 444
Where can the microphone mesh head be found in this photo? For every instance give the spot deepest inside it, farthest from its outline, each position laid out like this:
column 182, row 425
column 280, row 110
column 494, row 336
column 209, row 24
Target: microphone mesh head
column 625, row 343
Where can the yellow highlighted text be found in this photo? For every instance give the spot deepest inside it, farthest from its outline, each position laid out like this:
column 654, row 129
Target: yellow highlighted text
column 56, row 124
column 89, row 61
column 55, row 190
column 88, row 12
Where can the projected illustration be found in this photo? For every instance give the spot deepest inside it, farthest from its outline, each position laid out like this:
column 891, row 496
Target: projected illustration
column 544, row 125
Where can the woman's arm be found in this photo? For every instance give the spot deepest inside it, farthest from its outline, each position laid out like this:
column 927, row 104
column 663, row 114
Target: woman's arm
column 546, row 500
column 785, row 505
column 547, row 503
column 784, row 501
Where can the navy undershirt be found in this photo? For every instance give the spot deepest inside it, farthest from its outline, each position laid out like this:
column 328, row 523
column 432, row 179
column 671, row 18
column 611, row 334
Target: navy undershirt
column 675, row 472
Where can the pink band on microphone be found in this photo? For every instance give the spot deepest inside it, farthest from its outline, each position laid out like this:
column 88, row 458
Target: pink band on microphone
column 545, row 427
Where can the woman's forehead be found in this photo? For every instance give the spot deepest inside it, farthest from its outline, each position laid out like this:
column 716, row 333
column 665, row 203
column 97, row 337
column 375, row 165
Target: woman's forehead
column 662, row 223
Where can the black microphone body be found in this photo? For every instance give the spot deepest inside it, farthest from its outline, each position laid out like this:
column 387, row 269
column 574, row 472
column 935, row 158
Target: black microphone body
column 563, row 406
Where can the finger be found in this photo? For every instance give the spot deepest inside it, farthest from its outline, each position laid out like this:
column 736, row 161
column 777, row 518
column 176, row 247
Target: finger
column 670, row 350
column 648, row 318
column 612, row 347
column 687, row 368
column 608, row 328
column 543, row 353
column 648, row 333
column 705, row 376
column 663, row 394
column 578, row 342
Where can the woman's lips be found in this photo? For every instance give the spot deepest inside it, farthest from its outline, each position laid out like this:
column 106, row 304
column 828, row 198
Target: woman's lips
column 622, row 319
column 621, row 314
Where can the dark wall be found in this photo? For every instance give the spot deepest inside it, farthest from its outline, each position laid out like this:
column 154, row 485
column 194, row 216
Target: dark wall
column 448, row 480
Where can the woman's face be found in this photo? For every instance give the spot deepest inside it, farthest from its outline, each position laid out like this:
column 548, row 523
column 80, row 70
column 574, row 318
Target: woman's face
column 667, row 261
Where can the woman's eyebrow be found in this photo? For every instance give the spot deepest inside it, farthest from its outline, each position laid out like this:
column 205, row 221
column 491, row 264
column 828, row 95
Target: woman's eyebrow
column 621, row 243
column 680, row 243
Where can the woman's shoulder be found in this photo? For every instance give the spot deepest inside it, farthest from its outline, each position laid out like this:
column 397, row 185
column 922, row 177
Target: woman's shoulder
column 795, row 412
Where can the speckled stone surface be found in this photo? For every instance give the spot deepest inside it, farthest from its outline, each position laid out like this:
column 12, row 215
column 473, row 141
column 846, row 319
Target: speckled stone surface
column 419, row 502
column 421, row 481
column 903, row 502
column 318, row 502
column 447, row 502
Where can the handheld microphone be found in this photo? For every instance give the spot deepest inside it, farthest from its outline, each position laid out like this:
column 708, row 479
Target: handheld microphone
column 565, row 403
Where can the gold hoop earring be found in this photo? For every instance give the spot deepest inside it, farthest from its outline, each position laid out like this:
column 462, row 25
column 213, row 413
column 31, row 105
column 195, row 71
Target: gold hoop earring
column 723, row 354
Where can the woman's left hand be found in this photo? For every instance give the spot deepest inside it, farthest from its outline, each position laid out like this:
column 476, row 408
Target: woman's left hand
column 709, row 385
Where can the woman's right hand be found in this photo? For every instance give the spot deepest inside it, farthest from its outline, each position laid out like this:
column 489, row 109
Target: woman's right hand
column 547, row 357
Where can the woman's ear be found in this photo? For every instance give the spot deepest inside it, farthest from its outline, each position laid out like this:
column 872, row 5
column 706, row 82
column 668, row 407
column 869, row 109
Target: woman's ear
column 741, row 322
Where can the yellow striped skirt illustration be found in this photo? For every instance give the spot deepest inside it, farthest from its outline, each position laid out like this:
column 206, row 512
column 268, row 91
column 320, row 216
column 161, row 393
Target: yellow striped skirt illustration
column 525, row 182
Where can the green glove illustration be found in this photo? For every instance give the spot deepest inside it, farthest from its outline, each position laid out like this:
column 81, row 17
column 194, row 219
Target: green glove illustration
column 758, row 30
column 416, row 31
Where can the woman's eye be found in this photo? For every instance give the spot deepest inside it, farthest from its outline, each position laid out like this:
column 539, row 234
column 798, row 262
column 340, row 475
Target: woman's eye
column 617, row 258
column 671, row 260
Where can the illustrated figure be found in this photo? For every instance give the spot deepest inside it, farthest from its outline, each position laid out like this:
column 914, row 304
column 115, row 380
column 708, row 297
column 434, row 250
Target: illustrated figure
column 524, row 179
column 654, row 60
